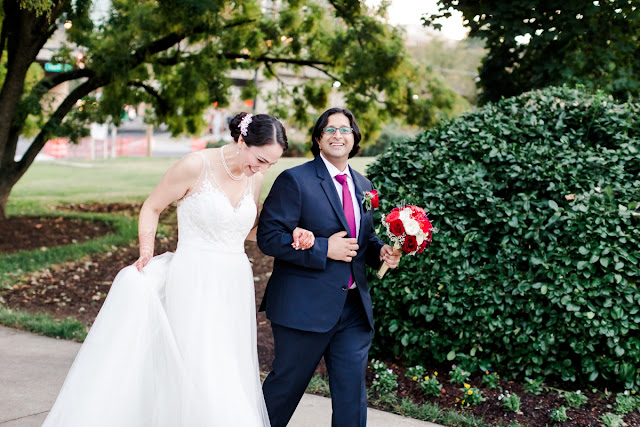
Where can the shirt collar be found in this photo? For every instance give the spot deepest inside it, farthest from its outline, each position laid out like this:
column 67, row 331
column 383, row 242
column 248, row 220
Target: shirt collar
column 333, row 171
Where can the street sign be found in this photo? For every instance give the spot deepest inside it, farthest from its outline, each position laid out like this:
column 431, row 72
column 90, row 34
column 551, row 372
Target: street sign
column 56, row 68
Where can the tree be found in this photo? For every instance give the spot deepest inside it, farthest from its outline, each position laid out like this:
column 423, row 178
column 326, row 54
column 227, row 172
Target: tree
column 176, row 55
column 540, row 43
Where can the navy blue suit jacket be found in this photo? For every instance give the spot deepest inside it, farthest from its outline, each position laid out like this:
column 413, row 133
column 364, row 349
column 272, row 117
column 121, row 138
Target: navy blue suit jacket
column 307, row 290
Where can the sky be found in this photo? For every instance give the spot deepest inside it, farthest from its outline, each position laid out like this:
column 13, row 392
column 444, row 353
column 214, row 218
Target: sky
column 409, row 12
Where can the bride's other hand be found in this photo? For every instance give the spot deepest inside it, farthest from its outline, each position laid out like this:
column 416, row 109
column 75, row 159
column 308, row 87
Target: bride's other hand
column 142, row 261
column 302, row 239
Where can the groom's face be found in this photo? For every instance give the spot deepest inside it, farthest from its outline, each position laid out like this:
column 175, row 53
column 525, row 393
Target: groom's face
column 336, row 146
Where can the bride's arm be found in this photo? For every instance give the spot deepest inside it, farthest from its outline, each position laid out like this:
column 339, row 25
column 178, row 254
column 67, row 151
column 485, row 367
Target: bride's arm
column 257, row 189
column 302, row 239
column 175, row 184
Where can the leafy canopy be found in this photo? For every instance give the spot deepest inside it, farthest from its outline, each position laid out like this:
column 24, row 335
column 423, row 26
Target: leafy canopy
column 538, row 43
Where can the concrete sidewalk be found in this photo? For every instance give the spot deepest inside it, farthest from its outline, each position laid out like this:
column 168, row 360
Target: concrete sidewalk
column 33, row 368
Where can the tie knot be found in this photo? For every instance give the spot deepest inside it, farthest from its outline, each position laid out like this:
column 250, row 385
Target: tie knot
column 341, row 178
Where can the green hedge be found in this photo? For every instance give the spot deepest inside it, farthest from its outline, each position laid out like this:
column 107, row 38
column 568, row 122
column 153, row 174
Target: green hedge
column 534, row 268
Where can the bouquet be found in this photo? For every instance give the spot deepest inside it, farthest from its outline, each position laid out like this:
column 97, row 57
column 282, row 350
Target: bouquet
column 409, row 230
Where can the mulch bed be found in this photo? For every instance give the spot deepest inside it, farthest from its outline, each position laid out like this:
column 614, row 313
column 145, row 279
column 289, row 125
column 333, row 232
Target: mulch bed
column 78, row 289
column 27, row 233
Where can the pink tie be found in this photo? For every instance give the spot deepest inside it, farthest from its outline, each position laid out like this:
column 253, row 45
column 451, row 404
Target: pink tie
column 347, row 206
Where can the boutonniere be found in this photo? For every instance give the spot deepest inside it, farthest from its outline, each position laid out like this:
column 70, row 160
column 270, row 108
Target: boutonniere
column 370, row 199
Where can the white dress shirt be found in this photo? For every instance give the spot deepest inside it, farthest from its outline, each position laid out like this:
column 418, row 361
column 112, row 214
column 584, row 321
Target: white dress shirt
column 333, row 171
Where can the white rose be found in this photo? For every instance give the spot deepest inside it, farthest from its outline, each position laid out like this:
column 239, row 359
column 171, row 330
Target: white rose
column 420, row 237
column 405, row 215
column 411, row 226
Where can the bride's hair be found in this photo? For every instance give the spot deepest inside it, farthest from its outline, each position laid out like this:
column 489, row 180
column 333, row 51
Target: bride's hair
column 262, row 130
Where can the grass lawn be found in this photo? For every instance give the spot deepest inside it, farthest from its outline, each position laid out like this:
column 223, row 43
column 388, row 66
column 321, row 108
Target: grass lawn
column 124, row 179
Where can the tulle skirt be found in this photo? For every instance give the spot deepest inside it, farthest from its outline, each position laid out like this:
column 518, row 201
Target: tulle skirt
column 173, row 346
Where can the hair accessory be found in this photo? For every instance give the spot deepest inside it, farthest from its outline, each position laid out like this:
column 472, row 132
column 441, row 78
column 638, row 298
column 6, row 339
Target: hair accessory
column 244, row 124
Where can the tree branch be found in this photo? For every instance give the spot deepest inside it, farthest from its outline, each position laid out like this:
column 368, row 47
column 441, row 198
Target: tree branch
column 162, row 103
column 57, row 117
column 275, row 60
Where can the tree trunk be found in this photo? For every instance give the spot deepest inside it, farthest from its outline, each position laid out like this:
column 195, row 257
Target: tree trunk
column 7, row 180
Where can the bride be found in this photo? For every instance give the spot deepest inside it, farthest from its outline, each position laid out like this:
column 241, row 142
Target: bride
column 175, row 342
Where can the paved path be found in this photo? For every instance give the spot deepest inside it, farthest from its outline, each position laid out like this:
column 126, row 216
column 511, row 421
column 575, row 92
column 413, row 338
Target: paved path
column 33, row 368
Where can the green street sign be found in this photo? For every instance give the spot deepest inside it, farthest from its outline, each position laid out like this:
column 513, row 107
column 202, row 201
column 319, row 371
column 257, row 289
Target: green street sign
column 56, row 68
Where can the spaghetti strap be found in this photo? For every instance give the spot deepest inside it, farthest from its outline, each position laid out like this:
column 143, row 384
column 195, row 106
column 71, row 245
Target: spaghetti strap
column 203, row 171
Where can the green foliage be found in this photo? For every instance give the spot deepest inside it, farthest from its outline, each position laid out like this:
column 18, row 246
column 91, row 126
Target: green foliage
column 575, row 399
column 42, row 323
column 390, row 134
column 491, row 380
column 592, row 43
column 534, row 268
column 511, row 402
column 457, row 375
column 533, row 386
column 384, row 381
column 426, row 412
column 559, row 415
column 319, row 385
column 471, row 396
column 431, row 386
column 416, row 372
column 626, row 403
column 612, row 420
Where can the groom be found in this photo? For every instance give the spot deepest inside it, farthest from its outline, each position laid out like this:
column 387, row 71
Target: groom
column 318, row 300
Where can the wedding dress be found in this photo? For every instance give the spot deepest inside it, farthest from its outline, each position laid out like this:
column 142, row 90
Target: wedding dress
column 175, row 345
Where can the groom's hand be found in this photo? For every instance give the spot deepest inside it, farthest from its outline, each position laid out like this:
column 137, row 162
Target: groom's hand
column 342, row 248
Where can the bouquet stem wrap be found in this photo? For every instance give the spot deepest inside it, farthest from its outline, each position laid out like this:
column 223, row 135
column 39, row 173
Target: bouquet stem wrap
column 384, row 267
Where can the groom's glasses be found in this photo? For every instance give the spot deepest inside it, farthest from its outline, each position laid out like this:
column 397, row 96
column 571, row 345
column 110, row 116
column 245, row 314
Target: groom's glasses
column 331, row 130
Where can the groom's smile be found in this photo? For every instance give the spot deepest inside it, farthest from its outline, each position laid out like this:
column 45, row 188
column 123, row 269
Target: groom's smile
column 337, row 140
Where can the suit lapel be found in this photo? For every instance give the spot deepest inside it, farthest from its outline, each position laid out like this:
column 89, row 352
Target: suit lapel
column 330, row 190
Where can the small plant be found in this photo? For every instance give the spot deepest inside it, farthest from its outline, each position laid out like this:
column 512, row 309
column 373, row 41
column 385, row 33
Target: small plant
column 626, row 403
column 415, row 373
column 575, row 399
column 491, row 380
column 384, row 381
column 472, row 396
column 559, row 415
column 612, row 420
column 534, row 386
column 458, row 375
column 510, row 402
column 431, row 386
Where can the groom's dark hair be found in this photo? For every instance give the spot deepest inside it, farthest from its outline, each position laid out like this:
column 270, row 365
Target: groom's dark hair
column 316, row 135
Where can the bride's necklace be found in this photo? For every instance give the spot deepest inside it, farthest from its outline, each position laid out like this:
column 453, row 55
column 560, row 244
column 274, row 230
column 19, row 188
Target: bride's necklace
column 224, row 164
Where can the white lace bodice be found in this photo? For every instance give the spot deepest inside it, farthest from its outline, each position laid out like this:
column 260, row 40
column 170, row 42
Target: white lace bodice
column 206, row 218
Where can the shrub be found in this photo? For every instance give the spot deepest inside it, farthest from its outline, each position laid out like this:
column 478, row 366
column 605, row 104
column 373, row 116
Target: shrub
column 534, row 267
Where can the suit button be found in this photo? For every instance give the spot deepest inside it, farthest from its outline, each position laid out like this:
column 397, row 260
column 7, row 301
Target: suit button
column 344, row 288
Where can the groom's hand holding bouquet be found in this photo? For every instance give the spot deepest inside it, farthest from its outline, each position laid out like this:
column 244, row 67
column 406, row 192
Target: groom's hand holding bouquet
column 409, row 230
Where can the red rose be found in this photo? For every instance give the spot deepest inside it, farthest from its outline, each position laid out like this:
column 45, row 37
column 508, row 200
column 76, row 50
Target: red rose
column 410, row 244
column 425, row 243
column 396, row 227
column 393, row 216
column 417, row 211
column 375, row 202
column 425, row 225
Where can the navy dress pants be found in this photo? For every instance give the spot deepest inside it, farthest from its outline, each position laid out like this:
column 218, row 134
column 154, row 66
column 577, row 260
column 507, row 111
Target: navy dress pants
column 297, row 353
